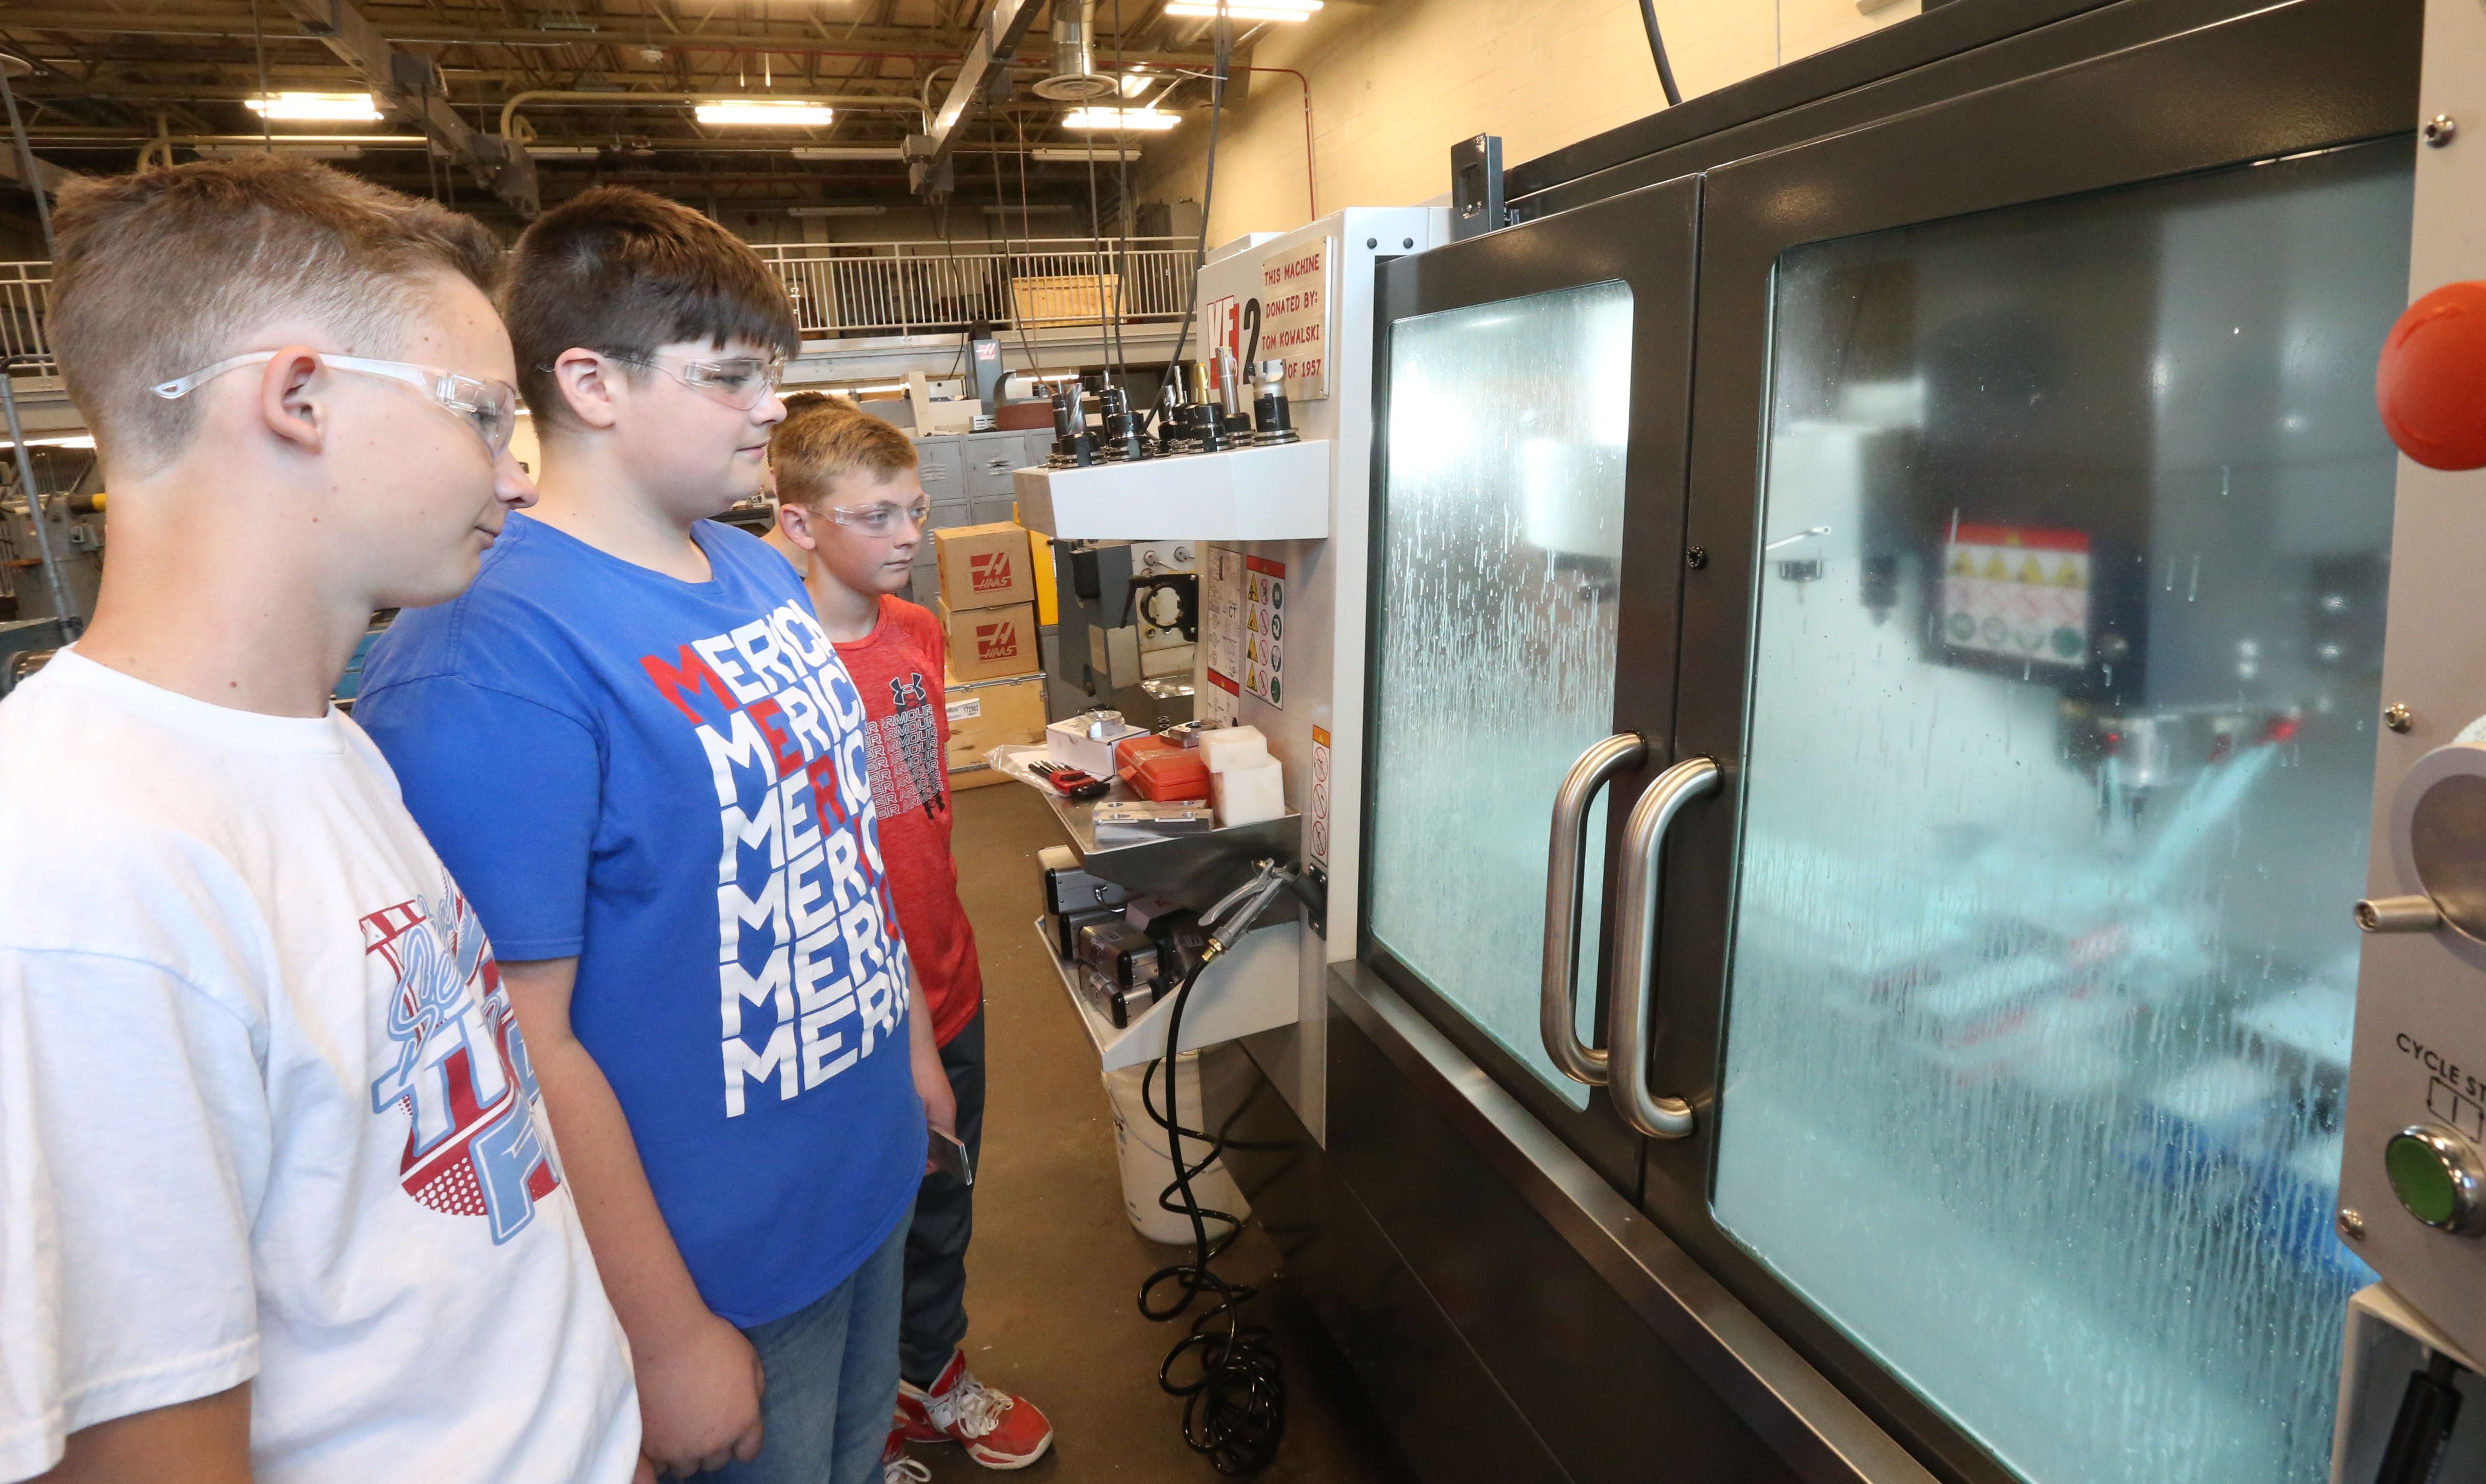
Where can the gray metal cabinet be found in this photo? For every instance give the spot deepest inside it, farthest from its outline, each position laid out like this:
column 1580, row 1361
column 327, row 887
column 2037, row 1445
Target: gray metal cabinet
column 937, row 465
column 986, row 460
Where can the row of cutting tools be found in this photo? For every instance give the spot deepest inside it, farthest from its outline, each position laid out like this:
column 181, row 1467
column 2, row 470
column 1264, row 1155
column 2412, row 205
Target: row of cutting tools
column 1211, row 420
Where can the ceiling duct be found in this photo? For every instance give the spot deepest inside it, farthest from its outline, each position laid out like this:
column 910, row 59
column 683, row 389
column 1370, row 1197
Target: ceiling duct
column 1075, row 78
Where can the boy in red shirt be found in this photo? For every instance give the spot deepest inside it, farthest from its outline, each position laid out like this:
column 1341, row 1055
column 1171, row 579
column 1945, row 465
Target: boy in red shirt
column 852, row 513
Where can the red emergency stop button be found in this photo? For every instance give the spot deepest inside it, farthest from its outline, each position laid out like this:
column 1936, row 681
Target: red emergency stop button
column 2431, row 385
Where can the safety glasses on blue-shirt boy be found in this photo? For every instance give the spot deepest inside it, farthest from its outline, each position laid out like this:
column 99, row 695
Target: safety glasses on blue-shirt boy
column 741, row 382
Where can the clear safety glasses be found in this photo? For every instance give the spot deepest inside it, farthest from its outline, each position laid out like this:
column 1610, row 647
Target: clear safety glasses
column 489, row 407
column 882, row 519
column 741, row 382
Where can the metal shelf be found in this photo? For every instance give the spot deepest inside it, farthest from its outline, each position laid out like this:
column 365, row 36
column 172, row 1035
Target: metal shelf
column 1192, row 869
column 1249, row 990
column 1279, row 493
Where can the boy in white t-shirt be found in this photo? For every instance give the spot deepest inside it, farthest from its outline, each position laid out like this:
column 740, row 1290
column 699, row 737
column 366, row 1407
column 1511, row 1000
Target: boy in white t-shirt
column 276, row 1198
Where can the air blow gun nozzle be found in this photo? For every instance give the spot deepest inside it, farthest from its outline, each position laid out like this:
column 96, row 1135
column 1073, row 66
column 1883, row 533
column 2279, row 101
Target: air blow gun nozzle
column 1235, row 913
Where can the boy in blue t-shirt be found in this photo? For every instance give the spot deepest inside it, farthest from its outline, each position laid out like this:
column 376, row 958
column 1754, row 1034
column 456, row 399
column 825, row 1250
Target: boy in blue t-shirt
column 635, row 747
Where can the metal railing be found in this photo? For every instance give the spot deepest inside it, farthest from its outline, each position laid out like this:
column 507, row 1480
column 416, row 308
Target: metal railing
column 865, row 288
column 25, row 310
column 900, row 288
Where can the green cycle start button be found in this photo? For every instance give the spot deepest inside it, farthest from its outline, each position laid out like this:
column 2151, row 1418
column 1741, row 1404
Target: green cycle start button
column 2437, row 1176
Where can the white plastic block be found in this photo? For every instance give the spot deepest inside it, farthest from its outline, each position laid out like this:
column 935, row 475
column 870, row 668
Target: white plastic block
column 1233, row 746
column 1248, row 795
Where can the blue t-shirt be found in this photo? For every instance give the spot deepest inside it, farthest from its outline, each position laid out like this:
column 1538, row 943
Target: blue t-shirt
column 668, row 780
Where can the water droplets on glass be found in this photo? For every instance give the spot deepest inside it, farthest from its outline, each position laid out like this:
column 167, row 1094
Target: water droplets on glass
column 1502, row 534
column 2056, row 795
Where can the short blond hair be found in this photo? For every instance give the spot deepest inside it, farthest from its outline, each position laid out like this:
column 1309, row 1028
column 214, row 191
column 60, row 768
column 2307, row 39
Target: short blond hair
column 166, row 271
column 829, row 439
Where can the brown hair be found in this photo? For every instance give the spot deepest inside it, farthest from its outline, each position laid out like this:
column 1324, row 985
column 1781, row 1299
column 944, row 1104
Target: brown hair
column 826, row 441
column 621, row 272
column 166, row 271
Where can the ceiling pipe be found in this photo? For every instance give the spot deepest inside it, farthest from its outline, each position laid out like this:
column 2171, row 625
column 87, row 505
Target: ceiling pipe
column 509, row 109
column 407, row 31
column 1311, row 182
column 1312, row 179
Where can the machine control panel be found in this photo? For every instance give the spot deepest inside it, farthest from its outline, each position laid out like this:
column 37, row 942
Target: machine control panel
column 2437, row 1175
column 2413, row 1187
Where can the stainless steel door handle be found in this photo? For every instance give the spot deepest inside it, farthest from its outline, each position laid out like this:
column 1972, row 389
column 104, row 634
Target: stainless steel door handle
column 1635, row 918
column 1565, row 860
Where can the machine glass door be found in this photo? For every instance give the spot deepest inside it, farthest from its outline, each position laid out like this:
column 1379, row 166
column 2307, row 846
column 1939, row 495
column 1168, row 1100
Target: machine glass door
column 2045, row 670
column 1531, row 438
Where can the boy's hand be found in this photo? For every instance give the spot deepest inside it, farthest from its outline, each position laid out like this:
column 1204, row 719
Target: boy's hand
column 940, row 1102
column 698, row 1400
column 932, row 1080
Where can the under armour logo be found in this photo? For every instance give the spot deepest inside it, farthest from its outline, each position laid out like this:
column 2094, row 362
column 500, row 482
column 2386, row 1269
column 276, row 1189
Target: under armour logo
column 902, row 692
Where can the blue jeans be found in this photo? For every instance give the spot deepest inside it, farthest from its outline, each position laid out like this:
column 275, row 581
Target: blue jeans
column 832, row 1372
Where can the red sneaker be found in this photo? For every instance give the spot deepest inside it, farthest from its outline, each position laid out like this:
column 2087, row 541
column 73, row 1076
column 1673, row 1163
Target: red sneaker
column 896, row 1467
column 998, row 1430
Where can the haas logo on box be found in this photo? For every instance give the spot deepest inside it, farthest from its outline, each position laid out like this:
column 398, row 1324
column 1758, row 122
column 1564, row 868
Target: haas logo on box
column 990, row 571
column 997, row 641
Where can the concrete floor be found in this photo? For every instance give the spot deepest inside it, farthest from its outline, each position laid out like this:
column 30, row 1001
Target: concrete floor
column 1055, row 1271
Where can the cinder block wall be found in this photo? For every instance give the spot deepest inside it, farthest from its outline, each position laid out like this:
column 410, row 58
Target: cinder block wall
column 1396, row 82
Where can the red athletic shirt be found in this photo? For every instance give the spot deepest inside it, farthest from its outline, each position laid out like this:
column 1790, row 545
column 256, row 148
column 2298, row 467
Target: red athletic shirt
column 898, row 670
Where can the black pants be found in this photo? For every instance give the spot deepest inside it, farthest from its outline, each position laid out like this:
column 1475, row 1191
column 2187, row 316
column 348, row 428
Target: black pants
column 935, row 1317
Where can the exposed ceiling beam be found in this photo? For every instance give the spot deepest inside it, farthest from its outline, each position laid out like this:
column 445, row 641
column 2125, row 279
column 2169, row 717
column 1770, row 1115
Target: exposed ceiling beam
column 409, row 87
column 987, row 61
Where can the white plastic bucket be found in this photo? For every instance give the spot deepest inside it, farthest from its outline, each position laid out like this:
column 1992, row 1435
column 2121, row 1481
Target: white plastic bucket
column 1148, row 1168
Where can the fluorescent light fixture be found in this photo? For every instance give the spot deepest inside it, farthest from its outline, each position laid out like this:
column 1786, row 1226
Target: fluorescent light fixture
column 564, row 152
column 847, row 153
column 299, row 151
column 78, row 441
column 1136, row 83
column 1120, row 118
column 762, row 110
column 1102, row 154
column 1039, row 209
column 1243, row 9
column 837, row 210
column 329, row 107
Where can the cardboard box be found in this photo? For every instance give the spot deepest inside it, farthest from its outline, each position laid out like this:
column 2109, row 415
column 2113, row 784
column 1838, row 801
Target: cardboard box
column 986, row 566
column 991, row 643
column 991, row 714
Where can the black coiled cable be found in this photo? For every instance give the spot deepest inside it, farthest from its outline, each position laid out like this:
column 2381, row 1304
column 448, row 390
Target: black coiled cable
column 1235, row 1401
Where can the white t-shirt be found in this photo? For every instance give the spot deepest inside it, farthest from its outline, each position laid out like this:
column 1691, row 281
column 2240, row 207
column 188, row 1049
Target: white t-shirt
column 266, row 1115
